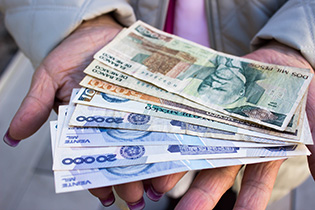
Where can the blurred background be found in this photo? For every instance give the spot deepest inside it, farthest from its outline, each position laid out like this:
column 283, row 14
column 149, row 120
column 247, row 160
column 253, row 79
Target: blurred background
column 26, row 178
column 7, row 46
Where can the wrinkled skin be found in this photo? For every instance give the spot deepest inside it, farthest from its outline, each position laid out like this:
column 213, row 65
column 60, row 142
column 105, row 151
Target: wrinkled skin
column 62, row 70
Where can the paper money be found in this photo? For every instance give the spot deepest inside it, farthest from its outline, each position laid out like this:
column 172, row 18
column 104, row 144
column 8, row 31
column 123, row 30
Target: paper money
column 178, row 103
column 88, row 97
column 74, row 180
column 82, row 158
column 88, row 158
column 53, row 135
column 239, row 87
column 132, row 121
column 126, row 136
column 92, row 137
column 138, row 90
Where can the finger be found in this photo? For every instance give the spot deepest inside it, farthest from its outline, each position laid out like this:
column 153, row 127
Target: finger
column 257, row 184
column 34, row 110
column 310, row 109
column 132, row 193
column 161, row 185
column 311, row 159
column 104, row 194
column 208, row 187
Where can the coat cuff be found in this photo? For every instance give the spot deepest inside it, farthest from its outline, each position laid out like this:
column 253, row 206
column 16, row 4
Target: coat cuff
column 38, row 27
column 294, row 26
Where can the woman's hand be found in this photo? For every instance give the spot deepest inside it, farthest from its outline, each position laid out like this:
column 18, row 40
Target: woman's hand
column 58, row 74
column 258, row 180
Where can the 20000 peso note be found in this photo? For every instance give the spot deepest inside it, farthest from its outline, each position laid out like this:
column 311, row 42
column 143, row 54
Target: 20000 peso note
column 88, row 97
column 100, row 137
column 262, row 93
column 93, row 136
column 87, row 158
column 132, row 121
column 75, row 180
column 139, row 89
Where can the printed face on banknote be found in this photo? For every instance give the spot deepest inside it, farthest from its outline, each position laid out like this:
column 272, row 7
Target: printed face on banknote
column 262, row 93
column 224, row 81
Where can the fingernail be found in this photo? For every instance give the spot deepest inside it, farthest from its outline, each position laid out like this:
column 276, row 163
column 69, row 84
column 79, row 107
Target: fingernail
column 139, row 205
column 109, row 201
column 9, row 141
column 153, row 195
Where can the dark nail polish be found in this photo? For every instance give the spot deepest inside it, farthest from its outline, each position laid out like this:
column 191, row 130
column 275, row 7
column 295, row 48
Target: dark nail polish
column 9, row 141
column 109, row 201
column 154, row 195
column 139, row 205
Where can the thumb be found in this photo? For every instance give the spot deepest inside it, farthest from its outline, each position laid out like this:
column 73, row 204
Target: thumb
column 311, row 160
column 310, row 110
column 34, row 110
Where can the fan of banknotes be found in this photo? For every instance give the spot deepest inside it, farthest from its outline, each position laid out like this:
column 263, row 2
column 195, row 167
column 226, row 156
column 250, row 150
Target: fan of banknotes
column 153, row 104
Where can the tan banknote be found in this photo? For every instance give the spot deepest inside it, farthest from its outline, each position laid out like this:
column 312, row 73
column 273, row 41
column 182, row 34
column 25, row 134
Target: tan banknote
column 250, row 90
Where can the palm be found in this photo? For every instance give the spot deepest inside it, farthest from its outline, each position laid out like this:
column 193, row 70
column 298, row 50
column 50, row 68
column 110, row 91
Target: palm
column 310, row 109
column 258, row 179
column 67, row 62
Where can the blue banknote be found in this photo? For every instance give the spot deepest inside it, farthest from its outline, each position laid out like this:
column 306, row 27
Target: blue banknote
column 74, row 180
column 97, row 136
column 88, row 158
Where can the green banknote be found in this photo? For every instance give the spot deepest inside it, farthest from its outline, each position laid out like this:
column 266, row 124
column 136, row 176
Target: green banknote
column 114, row 82
column 250, row 90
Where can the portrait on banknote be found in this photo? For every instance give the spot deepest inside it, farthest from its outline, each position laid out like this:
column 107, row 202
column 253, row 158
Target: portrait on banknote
column 236, row 86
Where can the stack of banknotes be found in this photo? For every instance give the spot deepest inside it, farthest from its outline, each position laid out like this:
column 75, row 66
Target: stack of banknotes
column 153, row 104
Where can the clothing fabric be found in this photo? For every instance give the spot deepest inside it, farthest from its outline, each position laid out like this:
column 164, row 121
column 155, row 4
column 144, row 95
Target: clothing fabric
column 190, row 21
column 169, row 22
column 234, row 26
column 239, row 26
column 39, row 25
